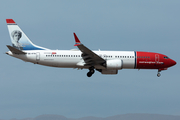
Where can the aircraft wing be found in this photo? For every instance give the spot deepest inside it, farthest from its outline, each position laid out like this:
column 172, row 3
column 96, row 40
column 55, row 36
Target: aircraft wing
column 90, row 58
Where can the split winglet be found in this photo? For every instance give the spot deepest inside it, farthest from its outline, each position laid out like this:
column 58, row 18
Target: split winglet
column 76, row 40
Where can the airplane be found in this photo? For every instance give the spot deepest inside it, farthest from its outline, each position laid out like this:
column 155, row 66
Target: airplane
column 106, row 62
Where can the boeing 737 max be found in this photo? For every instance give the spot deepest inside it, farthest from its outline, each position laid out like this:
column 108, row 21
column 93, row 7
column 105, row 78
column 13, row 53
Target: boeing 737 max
column 106, row 62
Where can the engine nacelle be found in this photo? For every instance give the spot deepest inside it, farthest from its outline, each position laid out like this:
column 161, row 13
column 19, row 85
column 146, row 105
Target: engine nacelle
column 109, row 71
column 114, row 64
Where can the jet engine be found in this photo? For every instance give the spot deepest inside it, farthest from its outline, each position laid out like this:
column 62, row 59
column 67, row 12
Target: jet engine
column 114, row 64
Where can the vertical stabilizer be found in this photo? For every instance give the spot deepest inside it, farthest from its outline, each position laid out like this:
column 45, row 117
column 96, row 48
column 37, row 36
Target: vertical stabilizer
column 19, row 39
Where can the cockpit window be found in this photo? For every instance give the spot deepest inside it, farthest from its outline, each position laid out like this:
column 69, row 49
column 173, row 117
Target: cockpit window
column 166, row 57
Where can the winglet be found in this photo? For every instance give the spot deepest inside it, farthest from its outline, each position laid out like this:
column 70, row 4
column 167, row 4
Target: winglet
column 76, row 40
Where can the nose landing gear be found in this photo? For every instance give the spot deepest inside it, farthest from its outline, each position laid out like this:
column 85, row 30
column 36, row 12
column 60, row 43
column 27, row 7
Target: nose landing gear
column 159, row 74
column 91, row 72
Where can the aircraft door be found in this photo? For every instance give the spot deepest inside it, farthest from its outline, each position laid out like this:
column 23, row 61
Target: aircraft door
column 157, row 58
column 37, row 56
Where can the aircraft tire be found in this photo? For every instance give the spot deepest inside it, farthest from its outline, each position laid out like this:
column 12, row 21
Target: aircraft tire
column 89, row 74
column 158, row 74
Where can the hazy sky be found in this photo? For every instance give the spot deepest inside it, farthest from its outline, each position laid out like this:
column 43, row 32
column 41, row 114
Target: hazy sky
column 28, row 90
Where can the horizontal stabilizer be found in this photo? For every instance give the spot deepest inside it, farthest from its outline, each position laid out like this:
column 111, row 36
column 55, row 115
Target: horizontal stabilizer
column 14, row 50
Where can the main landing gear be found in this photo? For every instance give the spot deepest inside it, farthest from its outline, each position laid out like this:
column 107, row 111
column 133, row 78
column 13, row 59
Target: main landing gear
column 91, row 71
column 159, row 74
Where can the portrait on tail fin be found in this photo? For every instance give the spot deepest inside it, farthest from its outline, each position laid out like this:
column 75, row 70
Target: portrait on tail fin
column 19, row 39
column 16, row 35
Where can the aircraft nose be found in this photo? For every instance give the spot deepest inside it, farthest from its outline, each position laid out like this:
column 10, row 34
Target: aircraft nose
column 173, row 62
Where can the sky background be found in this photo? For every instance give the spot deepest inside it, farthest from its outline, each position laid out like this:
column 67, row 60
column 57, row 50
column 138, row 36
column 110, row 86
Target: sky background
column 28, row 90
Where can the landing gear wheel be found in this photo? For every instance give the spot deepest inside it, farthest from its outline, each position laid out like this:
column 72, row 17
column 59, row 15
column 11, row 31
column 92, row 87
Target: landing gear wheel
column 89, row 74
column 158, row 74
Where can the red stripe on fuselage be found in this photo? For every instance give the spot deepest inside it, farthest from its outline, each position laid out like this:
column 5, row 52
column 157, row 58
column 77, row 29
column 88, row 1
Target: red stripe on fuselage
column 151, row 60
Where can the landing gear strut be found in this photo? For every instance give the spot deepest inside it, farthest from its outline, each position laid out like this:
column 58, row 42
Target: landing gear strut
column 91, row 72
column 158, row 74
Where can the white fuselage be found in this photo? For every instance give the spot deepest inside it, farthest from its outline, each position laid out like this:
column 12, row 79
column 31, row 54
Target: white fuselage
column 73, row 59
